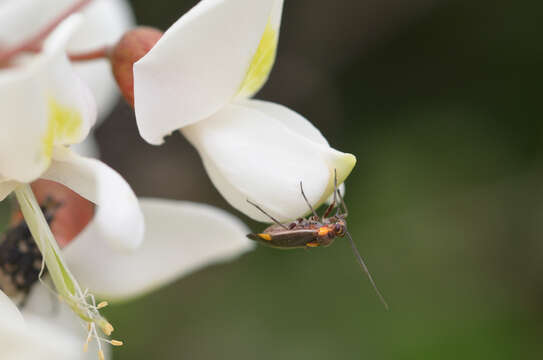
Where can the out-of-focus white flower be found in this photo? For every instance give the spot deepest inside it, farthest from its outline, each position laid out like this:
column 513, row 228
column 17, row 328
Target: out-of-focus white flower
column 199, row 77
column 33, row 338
column 46, row 108
column 180, row 238
column 104, row 23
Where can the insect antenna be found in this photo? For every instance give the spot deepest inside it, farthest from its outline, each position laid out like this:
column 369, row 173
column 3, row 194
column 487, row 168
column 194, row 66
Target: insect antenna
column 345, row 210
column 365, row 268
column 329, row 210
column 268, row 215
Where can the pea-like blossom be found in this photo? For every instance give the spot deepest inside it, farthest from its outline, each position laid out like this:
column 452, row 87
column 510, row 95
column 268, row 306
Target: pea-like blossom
column 199, row 78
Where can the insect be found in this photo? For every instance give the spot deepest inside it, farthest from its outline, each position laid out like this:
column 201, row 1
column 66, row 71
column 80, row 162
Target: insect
column 20, row 258
column 313, row 231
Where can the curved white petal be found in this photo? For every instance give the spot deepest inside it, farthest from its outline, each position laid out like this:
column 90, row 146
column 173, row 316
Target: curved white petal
column 6, row 187
column 105, row 22
column 289, row 118
column 10, row 315
column 118, row 219
column 180, row 238
column 198, row 65
column 250, row 154
column 43, row 104
column 88, row 148
column 34, row 337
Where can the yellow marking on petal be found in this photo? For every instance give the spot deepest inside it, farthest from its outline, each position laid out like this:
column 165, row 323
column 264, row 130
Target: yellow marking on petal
column 312, row 244
column 266, row 237
column 64, row 126
column 261, row 64
column 343, row 166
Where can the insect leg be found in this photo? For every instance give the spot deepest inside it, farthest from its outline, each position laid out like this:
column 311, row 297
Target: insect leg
column 329, row 210
column 268, row 215
column 308, row 204
column 345, row 210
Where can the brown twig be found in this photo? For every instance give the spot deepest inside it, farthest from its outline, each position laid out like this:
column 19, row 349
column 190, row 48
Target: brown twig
column 34, row 42
column 100, row 53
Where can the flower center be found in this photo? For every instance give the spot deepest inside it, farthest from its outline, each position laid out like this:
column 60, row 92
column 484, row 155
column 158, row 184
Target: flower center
column 261, row 64
column 64, row 126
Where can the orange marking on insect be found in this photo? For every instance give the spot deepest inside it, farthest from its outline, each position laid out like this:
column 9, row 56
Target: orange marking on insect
column 266, row 237
column 324, row 230
column 312, row 244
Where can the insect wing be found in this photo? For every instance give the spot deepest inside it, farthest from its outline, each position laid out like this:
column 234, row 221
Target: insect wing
column 285, row 239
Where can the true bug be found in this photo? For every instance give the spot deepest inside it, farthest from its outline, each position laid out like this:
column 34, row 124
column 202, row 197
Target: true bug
column 313, row 231
column 20, row 258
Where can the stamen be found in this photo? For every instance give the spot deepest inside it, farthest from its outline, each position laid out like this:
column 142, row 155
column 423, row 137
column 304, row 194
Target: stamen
column 107, row 328
column 102, row 305
column 116, row 342
column 101, row 355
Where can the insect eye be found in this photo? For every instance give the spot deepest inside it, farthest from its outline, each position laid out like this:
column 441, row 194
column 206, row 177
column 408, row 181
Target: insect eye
column 339, row 230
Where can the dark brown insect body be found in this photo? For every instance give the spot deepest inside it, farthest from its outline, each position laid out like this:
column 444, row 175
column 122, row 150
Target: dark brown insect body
column 314, row 231
column 302, row 233
column 20, row 258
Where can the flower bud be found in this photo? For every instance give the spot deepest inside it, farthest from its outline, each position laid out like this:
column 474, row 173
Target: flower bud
column 133, row 45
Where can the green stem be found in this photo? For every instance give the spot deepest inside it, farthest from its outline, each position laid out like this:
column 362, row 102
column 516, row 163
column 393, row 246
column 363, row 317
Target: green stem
column 65, row 283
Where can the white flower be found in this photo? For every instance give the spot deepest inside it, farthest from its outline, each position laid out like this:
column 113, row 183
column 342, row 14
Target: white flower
column 104, row 23
column 45, row 107
column 199, row 77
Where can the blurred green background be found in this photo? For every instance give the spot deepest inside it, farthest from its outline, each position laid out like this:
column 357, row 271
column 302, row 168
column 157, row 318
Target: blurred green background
column 440, row 102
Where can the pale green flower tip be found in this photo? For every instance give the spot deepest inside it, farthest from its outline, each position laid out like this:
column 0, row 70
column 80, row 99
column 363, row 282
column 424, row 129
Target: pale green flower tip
column 344, row 166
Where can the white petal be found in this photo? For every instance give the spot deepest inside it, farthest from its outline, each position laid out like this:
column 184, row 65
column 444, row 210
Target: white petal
column 250, row 154
column 294, row 121
column 198, row 65
column 33, row 338
column 180, row 238
column 88, row 148
column 118, row 219
column 105, row 22
column 9, row 314
column 6, row 187
column 43, row 104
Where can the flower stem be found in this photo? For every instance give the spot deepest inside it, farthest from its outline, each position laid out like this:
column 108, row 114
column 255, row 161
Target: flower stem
column 34, row 42
column 62, row 278
column 100, row 53
column 66, row 285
